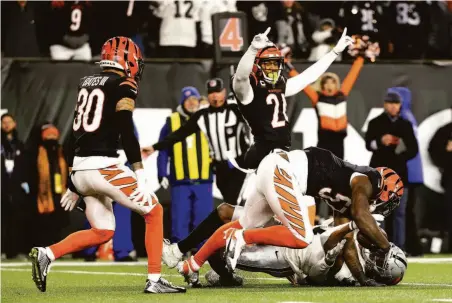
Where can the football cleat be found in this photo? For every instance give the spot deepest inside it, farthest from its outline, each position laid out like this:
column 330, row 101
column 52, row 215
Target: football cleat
column 234, row 246
column 162, row 286
column 214, row 280
column 171, row 254
column 190, row 276
column 40, row 263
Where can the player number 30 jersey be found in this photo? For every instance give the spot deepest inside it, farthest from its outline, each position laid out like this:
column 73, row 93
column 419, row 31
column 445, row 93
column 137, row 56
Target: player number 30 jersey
column 95, row 129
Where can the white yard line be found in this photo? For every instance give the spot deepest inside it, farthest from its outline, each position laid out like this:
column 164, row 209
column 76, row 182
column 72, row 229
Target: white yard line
column 442, row 300
column 109, row 273
column 144, row 263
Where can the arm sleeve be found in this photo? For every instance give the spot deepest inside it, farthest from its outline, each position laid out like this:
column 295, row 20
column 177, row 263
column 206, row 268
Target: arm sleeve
column 162, row 159
column 410, row 141
column 353, row 74
column 299, row 82
column 318, row 273
column 183, row 132
column 241, row 82
column 128, row 138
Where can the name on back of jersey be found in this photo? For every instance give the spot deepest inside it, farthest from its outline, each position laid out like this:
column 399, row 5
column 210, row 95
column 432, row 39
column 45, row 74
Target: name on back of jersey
column 95, row 81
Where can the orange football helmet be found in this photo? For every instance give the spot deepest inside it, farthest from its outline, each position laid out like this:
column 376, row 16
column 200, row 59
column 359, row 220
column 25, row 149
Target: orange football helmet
column 391, row 191
column 270, row 53
column 123, row 54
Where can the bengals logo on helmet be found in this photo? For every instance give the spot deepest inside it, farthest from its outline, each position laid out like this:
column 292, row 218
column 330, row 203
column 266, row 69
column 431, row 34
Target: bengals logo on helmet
column 123, row 54
column 391, row 191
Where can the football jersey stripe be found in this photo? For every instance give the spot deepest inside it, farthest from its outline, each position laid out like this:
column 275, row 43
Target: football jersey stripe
column 334, row 111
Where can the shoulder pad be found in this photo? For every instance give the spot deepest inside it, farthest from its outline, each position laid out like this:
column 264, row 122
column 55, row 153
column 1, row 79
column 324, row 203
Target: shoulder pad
column 130, row 82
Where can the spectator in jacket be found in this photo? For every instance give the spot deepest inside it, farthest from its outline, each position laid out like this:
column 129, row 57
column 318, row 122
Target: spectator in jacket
column 415, row 176
column 440, row 151
column 49, row 173
column 15, row 191
column 391, row 139
column 189, row 175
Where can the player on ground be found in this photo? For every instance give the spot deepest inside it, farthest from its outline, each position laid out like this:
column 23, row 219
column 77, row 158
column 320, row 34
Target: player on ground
column 103, row 115
column 285, row 185
column 261, row 91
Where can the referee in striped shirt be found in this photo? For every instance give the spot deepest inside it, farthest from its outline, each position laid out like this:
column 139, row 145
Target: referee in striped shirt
column 228, row 135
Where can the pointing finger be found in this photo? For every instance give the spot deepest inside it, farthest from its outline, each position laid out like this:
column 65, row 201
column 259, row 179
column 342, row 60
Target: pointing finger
column 267, row 31
column 344, row 33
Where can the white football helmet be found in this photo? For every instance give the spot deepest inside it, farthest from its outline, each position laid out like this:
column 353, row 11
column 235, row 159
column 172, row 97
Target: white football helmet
column 389, row 271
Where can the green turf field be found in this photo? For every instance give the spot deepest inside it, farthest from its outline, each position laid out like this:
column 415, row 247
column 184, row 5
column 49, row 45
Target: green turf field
column 92, row 283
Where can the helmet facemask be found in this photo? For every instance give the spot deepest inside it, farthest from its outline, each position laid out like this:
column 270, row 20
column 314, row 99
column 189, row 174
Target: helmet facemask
column 271, row 69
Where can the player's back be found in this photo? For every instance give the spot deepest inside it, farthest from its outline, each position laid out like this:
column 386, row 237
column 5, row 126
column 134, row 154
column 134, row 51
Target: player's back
column 95, row 129
column 266, row 114
column 329, row 177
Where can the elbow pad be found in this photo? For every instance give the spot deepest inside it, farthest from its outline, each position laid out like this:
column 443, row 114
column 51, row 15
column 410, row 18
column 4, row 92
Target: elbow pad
column 129, row 140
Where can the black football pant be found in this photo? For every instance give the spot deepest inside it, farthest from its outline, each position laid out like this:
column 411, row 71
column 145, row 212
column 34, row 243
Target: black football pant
column 229, row 181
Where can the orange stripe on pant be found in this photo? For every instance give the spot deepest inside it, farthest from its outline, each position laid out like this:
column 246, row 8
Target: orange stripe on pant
column 281, row 177
column 288, row 201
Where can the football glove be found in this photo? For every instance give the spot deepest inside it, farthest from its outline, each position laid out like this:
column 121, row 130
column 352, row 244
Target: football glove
column 343, row 42
column 261, row 40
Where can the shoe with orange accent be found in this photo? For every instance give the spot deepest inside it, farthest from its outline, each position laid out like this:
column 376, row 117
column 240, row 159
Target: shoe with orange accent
column 191, row 276
column 234, row 246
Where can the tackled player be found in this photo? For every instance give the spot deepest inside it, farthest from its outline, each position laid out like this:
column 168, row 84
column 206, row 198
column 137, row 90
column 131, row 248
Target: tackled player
column 286, row 183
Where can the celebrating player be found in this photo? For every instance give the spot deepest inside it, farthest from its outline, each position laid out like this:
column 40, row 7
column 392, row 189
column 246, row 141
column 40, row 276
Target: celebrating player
column 285, row 185
column 261, row 91
column 103, row 115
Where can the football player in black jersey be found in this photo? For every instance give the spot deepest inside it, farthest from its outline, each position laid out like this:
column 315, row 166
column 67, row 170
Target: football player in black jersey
column 261, row 92
column 286, row 183
column 103, row 115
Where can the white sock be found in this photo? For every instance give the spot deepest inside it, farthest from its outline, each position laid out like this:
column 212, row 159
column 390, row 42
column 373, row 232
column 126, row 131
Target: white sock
column 194, row 266
column 50, row 254
column 154, row 277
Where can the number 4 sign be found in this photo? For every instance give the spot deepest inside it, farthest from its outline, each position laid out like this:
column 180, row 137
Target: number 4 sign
column 230, row 36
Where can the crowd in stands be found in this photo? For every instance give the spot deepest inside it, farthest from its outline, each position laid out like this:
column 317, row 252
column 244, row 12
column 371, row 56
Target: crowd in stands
column 67, row 30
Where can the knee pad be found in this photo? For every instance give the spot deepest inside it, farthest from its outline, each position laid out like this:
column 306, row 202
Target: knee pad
column 104, row 234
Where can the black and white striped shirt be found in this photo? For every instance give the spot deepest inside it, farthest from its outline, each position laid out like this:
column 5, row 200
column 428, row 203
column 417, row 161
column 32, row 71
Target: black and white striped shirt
column 225, row 128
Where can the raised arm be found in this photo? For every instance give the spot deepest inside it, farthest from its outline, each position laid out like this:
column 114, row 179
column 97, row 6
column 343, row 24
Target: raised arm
column 299, row 82
column 183, row 132
column 308, row 90
column 352, row 75
column 240, row 82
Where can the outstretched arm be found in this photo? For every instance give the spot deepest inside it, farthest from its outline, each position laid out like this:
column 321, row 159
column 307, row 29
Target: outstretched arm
column 353, row 74
column 183, row 132
column 241, row 82
column 299, row 82
column 361, row 192
column 308, row 90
